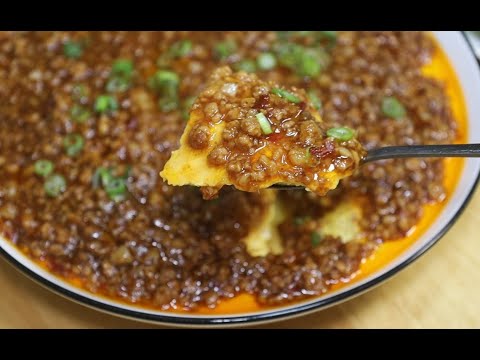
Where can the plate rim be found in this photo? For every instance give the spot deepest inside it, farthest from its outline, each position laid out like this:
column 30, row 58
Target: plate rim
column 249, row 319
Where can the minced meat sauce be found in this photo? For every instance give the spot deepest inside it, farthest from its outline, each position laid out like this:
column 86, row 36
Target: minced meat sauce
column 89, row 119
column 268, row 135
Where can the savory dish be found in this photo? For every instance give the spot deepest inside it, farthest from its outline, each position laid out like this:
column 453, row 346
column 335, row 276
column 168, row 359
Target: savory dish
column 251, row 134
column 89, row 120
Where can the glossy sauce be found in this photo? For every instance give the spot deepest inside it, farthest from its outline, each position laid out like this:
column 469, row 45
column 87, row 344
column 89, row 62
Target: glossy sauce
column 441, row 69
column 162, row 243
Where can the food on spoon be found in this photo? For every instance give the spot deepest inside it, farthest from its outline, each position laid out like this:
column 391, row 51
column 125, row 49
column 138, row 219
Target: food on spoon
column 252, row 134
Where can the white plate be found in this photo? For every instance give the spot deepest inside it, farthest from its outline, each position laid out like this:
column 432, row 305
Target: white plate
column 466, row 67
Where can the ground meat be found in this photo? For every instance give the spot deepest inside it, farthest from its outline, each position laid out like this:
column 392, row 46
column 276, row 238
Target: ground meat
column 292, row 128
column 218, row 156
column 165, row 247
column 199, row 136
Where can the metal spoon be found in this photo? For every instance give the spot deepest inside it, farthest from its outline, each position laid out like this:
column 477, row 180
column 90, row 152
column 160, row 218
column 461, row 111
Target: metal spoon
column 410, row 151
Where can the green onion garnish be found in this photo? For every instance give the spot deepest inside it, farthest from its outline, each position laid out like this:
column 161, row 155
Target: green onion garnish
column 123, row 67
column 286, row 95
column 181, row 48
column 330, row 35
column 341, row 133
column 120, row 76
column 316, row 238
column 391, row 107
column 54, row 185
column 264, row 124
column 79, row 91
column 43, row 167
column 166, row 83
column 73, row 144
column 165, row 78
column 224, row 49
column 106, row 103
column 102, row 176
column 266, row 61
column 314, row 99
column 72, row 49
column 79, row 113
column 308, row 62
column 246, row 65
column 116, row 188
column 117, row 84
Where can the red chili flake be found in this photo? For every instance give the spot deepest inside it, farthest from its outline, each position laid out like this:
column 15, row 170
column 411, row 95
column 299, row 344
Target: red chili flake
column 262, row 102
column 275, row 137
column 322, row 151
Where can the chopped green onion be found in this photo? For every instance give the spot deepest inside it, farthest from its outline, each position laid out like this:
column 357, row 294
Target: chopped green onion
column 72, row 49
column 114, row 186
column 224, row 49
column 166, row 83
column 43, row 167
column 116, row 189
column 54, row 185
column 314, row 99
column 288, row 54
column 102, row 176
column 391, row 107
column 120, row 76
column 309, row 65
column 264, row 124
column 316, row 238
column 73, row 144
column 286, row 95
column 246, row 65
column 106, row 103
column 168, row 103
column 164, row 79
column 181, row 48
column 187, row 105
column 266, row 61
column 341, row 133
column 123, row 67
column 330, row 35
column 117, row 84
column 308, row 62
column 79, row 113
column 79, row 91
column 300, row 220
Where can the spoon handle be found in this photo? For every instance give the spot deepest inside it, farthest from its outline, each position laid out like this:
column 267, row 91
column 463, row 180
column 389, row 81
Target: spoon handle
column 419, row 151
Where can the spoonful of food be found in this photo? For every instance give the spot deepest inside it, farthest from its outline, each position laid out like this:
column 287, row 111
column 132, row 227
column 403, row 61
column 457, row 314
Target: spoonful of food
column 410, row 151
column 254, row 134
